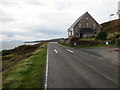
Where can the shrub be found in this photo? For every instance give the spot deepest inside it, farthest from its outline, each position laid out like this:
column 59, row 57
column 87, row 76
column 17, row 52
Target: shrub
column 101, row 36
column 74, row 40
column 113, row 36
column 6, row 52
column 87, row 43
column 20, row 50
column 118, row 42
column 92, row 37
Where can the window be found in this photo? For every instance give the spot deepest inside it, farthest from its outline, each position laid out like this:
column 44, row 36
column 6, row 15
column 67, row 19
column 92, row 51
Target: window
column 95, row 32
column 87, row 24
column 94, row 25
column 70, row 33
column 86, row 17
column 80, row 25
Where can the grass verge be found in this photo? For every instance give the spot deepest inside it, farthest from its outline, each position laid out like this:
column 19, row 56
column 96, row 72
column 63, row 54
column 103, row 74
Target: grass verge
column 83, row 46
column 28, row 73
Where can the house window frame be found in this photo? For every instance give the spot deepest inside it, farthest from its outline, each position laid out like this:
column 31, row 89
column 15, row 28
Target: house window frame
column 94, row 25
column 80, row 25
column 70, row 33
column 95, row 32
column 87, row 24
column 87, row 18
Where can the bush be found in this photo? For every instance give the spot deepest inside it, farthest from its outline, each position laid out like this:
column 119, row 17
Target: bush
column 6, row 52
column 74, row 40
column 92, row 37
column 101, row 36
column 118, row 42
column 114, row 36
column 87, row 43
column 20, row 50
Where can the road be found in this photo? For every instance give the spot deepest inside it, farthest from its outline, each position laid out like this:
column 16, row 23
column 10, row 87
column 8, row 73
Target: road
column 71, row 68
column 108, row 53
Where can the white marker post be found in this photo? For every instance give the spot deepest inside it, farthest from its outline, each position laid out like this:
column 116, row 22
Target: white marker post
column 75, row 44
column 107, row 42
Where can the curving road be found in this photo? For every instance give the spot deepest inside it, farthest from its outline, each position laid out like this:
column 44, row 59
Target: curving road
column 71, row 68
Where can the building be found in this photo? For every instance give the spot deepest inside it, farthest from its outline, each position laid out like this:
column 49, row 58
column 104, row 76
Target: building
column 84, row 26
column 119, row 10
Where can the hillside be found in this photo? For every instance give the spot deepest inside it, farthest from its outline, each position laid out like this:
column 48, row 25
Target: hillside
column 111, row 26
column 21, row 62
column 50, row 40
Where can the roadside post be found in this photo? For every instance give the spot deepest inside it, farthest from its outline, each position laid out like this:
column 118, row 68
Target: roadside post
column 75, row 44
column 107, row 42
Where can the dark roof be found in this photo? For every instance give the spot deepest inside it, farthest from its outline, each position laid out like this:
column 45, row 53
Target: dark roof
column 86, row 30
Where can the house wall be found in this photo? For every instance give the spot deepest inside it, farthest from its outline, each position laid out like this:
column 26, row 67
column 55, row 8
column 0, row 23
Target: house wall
column 87, row 19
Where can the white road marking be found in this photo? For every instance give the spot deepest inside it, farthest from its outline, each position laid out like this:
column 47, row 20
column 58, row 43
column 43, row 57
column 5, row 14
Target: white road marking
column 69, row 50
column 46, row 76
column 55, row 51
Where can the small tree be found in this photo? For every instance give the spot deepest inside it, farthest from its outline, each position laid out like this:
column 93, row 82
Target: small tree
column 101, row 36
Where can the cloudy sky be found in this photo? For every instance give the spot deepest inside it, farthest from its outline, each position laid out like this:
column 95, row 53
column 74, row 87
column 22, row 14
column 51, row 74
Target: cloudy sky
column 28, row 20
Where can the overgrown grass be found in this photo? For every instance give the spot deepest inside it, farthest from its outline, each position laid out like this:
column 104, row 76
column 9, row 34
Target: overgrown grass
column 87, row 46
column 13, row 56
column 88, row 39
column 28, row 73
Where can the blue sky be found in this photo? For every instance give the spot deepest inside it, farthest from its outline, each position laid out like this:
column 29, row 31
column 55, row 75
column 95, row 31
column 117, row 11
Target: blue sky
column 29, row 20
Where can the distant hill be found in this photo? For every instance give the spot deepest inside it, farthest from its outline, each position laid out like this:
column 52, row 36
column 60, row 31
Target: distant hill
column 111, row 26
column 50, row 40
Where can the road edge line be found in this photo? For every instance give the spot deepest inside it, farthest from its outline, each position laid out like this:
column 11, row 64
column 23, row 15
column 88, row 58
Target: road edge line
column 46, row 74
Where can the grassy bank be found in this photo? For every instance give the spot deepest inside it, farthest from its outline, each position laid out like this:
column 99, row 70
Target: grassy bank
column 28, row 73
column 88, row 46
column 13, row 56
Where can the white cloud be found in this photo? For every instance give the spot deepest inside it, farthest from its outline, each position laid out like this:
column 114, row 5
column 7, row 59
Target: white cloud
column 44, row 19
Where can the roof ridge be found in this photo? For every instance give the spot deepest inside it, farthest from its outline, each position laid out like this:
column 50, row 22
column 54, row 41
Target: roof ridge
column 77, row 20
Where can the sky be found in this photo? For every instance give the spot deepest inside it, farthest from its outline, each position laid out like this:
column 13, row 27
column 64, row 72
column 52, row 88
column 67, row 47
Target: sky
column 31, row 20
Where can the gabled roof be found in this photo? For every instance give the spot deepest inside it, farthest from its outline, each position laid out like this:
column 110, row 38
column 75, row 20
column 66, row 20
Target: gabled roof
column 76, row 21
column 69, row 29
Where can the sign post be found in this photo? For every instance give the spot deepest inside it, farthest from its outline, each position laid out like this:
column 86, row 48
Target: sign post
column 75, row 44
column 107, row 42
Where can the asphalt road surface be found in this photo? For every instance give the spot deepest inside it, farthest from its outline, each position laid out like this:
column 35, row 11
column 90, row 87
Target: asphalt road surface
column 71, row 68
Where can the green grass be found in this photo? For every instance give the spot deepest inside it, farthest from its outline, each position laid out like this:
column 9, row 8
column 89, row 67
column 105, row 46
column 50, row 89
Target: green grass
column 13, row 56
column 118, row 47
column 88, row 39
column 28, row 73
column 100, row 45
